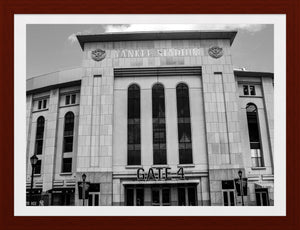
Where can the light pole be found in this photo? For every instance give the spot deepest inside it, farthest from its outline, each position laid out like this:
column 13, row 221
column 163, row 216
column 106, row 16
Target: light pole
column 33, row 161
column 241, row 185
column 83, row 188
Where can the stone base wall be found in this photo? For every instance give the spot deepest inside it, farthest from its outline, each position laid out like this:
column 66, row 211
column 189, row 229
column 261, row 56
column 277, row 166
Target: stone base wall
column 216, row 176
column 105, row 180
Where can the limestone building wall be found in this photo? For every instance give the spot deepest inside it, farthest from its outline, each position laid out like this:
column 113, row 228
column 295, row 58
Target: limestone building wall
column 220, row 138
column 51, row 175
column 264, row 174
column 97, row 95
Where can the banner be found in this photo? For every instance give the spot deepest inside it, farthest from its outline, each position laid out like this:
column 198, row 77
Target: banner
column 80, row 187
column 238, row 186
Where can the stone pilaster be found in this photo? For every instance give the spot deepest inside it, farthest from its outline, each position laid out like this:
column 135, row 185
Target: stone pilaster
column 94, row 155
column 221, row 118
column 29, row 104
column 268, row 94
column 48, row 162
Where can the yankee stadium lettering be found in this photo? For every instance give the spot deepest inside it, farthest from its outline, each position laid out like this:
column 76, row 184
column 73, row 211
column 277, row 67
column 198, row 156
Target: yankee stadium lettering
column 130, row 53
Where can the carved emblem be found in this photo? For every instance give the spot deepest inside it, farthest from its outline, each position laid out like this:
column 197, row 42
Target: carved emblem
column 98, row 55
column 215, row 52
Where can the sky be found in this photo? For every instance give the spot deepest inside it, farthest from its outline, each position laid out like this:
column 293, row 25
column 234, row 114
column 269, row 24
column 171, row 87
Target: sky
column 53, row 47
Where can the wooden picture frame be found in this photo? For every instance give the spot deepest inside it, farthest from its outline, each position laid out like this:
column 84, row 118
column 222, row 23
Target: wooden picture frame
column 12, row 7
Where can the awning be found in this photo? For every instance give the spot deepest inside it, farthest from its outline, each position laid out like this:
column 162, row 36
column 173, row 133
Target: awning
column 62, row 190
column 259, row 185
column 34, row 191
column 161, row 182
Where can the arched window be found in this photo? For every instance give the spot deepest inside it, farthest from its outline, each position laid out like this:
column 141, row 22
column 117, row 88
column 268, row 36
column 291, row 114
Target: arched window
column 134, row 126
column 159, row 125
column 254, row 135
column 68, row 142
column 39, row 137
column 184, row 124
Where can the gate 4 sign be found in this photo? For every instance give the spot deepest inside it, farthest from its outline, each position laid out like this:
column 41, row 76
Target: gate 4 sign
column 159, row 173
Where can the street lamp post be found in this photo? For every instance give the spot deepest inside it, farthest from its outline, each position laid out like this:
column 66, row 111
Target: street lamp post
column 83, row 188
column 33, row 161
column 241, row 185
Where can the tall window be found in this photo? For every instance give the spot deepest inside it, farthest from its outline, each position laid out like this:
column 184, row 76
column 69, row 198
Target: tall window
column 68, row 132
column 134, row 126
column 254, row 135
column 184, row 125
column 68, row 142
column 39, row 138
column 159, row 125
column 67, row 164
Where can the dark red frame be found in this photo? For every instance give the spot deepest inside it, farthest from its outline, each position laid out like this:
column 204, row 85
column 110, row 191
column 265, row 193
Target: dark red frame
column 10, row 7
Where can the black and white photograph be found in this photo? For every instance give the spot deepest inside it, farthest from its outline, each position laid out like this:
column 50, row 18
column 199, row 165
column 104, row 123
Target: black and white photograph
column 150, row 115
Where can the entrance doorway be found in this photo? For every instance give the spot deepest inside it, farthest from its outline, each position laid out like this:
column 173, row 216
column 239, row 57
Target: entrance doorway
column 134, row 196
column 228, row 198
column 262, row 197
column 161, row 196
column 228, row 193
column 187, row 196
column 93, row 199
column 63, row 196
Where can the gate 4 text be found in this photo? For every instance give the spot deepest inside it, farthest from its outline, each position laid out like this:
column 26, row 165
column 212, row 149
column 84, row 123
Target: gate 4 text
column 162, row 173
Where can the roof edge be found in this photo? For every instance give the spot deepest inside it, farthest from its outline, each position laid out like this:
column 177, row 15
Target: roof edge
column 156, row 35
column 242, row 73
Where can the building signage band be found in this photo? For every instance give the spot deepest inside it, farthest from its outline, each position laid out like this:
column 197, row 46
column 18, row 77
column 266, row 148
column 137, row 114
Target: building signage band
column 99, row 55
column 159, row 173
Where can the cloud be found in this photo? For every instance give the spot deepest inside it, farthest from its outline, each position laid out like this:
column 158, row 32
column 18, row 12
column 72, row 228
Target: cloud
column 116, row 28
column 95, row 29
column 112, row 28
column 72, row 38
column 252, row 28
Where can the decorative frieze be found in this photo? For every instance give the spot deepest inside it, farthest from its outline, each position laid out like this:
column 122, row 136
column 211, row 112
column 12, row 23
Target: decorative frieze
column 98, row 55
column 215, row 52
